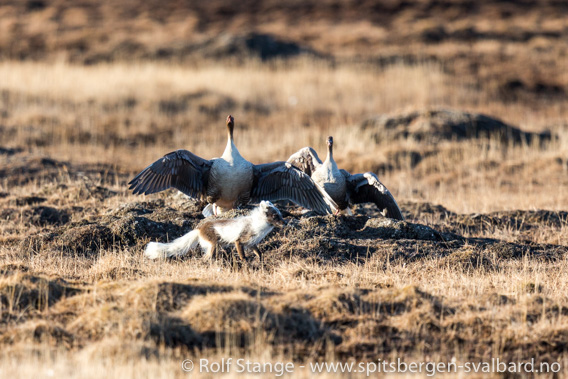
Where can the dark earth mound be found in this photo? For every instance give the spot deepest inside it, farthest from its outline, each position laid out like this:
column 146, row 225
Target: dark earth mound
column 434, row 126
column 480, row 223
column 25, row 293
column 18, row 169
column 130, row 225
column 314, row 238
column 263, row 46
column 41, row 215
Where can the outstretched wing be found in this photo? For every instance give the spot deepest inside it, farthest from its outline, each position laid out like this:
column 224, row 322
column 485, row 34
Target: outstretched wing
column 282, row 181
column 180, row 169
column 306, row 159
column 367, row 188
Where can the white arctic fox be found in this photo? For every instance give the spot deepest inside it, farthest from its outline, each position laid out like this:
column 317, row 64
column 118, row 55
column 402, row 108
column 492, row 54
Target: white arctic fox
column 244, row 231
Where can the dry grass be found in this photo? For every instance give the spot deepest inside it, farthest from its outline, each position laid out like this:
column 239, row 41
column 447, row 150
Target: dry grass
column 77, row 299
column 430, row 307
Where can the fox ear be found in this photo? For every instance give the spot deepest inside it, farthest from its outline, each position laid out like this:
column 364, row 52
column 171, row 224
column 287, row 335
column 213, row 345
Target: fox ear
column 264, row 204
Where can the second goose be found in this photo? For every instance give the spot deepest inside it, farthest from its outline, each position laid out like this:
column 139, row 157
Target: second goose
column 343, row 187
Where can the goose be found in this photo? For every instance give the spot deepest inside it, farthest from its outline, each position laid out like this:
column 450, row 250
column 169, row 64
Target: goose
column 231, row 181
column 343, row 187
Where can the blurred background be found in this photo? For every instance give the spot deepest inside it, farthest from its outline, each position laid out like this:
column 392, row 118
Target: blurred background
column 436, row 96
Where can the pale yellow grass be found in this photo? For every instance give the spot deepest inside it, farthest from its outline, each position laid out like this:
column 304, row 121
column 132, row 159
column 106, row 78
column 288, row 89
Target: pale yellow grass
column 311, row 83
column 296, row 93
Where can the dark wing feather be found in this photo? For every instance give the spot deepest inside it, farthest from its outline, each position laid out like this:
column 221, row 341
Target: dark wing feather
column 180, row 169
column 305, row 159
column 366, row 188
column 282, row 181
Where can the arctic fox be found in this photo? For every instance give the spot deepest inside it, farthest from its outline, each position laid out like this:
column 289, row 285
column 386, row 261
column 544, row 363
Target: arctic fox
column 244, row 231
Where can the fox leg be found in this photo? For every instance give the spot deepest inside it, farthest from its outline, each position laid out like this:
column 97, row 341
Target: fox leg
column 257, row 252
column 240, row 251
column 208, row 240
column 214, row 251
column 209, row 249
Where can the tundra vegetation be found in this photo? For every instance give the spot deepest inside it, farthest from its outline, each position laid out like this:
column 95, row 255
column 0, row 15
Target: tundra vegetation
column 458, row 106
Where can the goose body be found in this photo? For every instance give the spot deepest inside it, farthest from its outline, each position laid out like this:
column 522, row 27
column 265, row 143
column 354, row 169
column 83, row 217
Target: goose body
column 328, row 176
column 344, row 188
column 232, row 177
column 231, row 181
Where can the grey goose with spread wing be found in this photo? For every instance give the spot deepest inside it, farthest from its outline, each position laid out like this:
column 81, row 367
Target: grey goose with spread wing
column 231, row 181
column 344, row 188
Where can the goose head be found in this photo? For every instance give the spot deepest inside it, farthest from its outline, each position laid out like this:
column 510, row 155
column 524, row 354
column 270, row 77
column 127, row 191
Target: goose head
column 230, row 126
column 329, row 147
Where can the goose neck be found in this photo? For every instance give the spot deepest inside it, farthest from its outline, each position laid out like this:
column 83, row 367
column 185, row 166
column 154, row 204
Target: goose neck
column 329, row 157
column 230, row 150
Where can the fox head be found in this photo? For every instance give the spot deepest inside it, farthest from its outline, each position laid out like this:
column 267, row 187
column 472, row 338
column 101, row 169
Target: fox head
column 273, row 215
